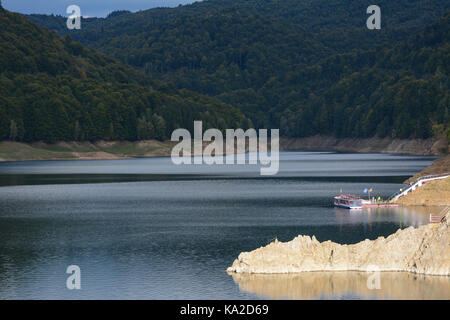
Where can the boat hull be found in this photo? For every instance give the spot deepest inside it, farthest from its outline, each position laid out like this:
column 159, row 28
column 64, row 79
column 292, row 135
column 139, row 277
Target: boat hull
column 338, row 205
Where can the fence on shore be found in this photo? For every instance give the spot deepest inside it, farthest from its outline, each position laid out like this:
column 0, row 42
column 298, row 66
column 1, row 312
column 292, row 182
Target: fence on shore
column 438, row 218
column 417, row 184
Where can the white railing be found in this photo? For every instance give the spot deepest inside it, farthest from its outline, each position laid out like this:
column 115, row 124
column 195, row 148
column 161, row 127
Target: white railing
column 418, row 183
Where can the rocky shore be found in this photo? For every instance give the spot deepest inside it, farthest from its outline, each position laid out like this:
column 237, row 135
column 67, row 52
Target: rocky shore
column 424, row 250
column 367, row 145
column 76, row 150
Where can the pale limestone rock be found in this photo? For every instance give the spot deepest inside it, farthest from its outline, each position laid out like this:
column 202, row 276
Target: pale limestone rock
column 420, row 250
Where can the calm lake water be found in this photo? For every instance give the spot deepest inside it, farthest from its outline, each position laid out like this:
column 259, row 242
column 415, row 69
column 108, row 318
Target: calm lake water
column 147, row 229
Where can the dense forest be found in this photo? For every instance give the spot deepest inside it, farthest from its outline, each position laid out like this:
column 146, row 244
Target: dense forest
column 308, row 67
column 400, row 92
column 53, row 88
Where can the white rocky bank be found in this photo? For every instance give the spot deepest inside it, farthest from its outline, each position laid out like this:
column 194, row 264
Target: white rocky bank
column 423, row 250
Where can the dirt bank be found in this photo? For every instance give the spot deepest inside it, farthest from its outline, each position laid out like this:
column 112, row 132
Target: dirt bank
column 369, row 145
column 434, row 193
column 17, row 151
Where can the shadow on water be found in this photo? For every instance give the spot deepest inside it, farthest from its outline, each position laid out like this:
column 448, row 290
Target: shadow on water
column 48, row 179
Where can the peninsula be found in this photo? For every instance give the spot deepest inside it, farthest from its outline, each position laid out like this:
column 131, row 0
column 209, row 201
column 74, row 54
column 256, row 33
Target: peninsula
column 424, row 250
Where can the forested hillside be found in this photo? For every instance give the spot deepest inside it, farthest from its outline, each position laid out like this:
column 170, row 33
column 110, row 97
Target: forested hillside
column 400, row 92
column 307, row 67
column 56, row 89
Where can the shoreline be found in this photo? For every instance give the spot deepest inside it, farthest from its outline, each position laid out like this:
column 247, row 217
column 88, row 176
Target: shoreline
column 111, row 150
column 74, row 150
column 417, row 147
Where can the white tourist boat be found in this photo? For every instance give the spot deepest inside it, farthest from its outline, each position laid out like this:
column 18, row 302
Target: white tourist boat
column 348, row 201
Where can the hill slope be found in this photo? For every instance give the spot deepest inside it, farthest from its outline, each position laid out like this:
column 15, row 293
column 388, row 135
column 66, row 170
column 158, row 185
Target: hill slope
column 399, row 91
column 308, row 67
column 56, row 89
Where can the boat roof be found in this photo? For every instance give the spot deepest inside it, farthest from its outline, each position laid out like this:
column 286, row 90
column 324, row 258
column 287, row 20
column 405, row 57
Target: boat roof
column 348, row 197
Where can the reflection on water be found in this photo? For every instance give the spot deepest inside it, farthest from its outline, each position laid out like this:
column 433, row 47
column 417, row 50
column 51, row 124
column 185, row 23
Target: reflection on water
column 316, row 166
column 404, row 216
column 344, row 285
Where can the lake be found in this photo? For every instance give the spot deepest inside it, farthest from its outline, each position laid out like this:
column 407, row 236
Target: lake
column 147, row 229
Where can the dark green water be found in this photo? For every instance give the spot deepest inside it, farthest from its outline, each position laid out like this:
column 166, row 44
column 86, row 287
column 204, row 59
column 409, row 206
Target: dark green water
column 146, row 229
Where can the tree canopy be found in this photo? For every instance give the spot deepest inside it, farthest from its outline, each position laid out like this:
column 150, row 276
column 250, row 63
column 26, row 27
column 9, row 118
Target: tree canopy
column 54, row 88
column 308, row 67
